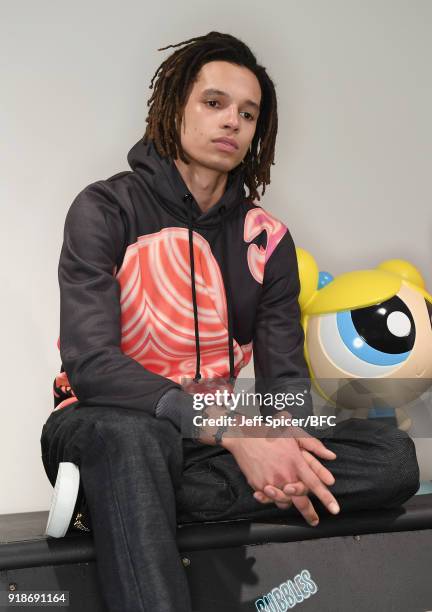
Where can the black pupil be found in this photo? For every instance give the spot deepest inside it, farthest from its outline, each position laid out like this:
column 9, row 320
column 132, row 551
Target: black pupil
column 371, row 325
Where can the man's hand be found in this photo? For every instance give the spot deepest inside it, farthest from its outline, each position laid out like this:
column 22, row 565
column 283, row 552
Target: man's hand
column 282, row 499
column 283, row 469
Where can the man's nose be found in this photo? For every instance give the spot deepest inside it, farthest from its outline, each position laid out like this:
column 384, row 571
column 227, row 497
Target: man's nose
column 231, row 118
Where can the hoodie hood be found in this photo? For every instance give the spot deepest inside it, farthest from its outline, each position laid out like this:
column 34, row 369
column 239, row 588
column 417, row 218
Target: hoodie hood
column 164, row 179
column 162, row 175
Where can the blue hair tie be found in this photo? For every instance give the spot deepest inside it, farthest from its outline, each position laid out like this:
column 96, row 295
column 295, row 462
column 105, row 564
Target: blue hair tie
column 324, row 278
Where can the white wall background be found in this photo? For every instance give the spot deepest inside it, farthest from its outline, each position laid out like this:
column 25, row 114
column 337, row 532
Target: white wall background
column 353, row 157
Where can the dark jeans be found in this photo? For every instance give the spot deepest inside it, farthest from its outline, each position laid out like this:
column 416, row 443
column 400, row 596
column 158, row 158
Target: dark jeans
column 141, row 478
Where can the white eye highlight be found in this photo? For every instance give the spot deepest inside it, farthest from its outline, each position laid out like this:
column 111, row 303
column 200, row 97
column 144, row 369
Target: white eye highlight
column 399, row 324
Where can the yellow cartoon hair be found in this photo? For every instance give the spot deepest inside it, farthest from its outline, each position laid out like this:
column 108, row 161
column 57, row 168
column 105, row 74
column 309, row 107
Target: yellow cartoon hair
column 356, row 289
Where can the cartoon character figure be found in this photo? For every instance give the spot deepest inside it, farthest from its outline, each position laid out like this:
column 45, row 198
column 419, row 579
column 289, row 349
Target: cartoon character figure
column 368, row 336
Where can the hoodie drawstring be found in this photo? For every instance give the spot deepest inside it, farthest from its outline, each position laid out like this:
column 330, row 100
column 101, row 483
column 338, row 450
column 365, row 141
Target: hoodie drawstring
column 194, row 300
column 228, row 297
column 227, row 289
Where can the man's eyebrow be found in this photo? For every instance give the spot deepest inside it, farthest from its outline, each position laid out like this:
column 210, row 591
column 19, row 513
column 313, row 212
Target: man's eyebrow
column 218, row 92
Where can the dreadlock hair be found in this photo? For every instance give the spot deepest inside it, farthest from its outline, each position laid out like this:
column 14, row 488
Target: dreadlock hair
column 177, row 75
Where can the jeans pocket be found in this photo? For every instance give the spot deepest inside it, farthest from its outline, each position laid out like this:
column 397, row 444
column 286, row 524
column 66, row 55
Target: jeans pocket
column 205, row 494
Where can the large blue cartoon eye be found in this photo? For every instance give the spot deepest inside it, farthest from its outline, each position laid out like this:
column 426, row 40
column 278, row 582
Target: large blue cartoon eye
column 369, row 341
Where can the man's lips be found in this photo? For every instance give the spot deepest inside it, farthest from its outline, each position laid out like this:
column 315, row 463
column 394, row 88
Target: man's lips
column 226, row 144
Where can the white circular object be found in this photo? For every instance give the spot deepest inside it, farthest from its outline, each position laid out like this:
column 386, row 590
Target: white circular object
column 63, row 500
column 399, row 324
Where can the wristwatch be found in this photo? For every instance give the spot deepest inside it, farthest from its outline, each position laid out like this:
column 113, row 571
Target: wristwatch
column 220, row 432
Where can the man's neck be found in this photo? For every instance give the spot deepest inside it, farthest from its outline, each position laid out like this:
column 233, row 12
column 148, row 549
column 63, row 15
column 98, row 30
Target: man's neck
column 207, row 186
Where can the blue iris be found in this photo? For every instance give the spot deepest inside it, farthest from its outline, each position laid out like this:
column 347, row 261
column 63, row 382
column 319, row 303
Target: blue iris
column 359, row 347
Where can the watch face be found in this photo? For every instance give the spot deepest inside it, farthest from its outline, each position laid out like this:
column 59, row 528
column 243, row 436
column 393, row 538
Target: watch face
column 220, row 432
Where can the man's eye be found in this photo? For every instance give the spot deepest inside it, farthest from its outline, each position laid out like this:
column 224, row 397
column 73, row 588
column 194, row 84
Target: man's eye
column 251, row 118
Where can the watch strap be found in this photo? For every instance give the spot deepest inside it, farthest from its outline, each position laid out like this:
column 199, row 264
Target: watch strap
column 220, row 432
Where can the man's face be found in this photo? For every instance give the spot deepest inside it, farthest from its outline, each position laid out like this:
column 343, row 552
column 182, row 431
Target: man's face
column 231, row 113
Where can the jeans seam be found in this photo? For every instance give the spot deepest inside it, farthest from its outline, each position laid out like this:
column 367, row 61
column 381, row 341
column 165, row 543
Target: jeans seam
column 121, row 519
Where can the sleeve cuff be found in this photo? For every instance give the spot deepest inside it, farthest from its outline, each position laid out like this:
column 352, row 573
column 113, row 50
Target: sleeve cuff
column 177, row 406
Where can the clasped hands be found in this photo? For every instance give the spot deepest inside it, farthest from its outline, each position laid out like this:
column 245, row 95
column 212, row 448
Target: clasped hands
column 296, row 493
column 284, row 469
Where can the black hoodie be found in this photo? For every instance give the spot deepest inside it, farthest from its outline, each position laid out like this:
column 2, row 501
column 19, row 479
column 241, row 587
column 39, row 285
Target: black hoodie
column 153, row 290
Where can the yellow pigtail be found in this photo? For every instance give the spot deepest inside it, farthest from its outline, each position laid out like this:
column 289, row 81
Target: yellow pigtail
column 405, row 270
column 308, row 273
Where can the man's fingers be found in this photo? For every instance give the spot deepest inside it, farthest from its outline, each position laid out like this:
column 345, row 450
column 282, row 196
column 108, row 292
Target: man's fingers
column 276, row 494
column 320, row 470
column 305, row 507
column 259, row 496
column 280, row 496
column 316, row 486
column 295, row 488
column 316, row 446
column 282, row 505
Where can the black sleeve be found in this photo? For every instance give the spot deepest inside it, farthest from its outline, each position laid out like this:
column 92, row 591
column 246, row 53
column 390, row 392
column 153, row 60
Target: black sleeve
column 278, row 344
column 177, row 406
column 99, row 373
